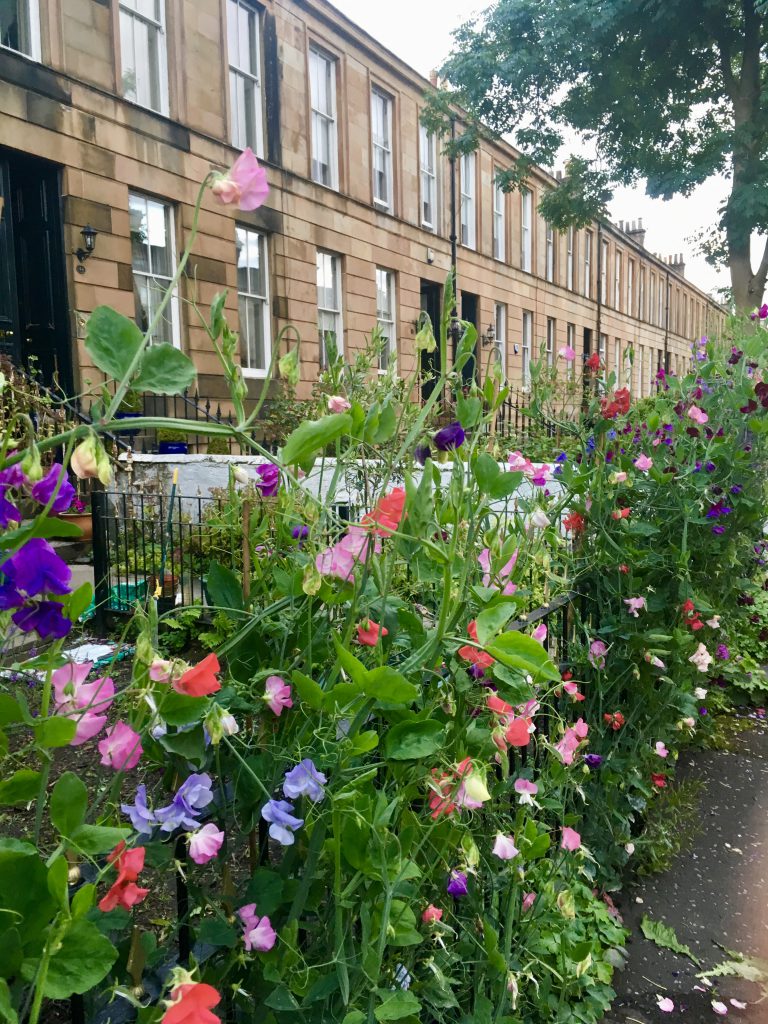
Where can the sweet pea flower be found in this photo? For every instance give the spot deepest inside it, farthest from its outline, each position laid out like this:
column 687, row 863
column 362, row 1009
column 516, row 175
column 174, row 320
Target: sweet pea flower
column 504, row 847
column 653, row 660
column 277, row 694
column 540, row 519
column 529, row 898
column 593, row 760
column 162, row 671
column 571, row 840
column 368, row 632
column 192, row 1004
column 457, row 884
column 573, row 691
column 258, row 933
column 432, row 914
column 567, row 353
column 449, row 438
column 617, row 478
column 244, row 185
column 200, row 680
column 597, row 651
column 700, row 693
column 54, row 481
column 124, row 892
column 268, row 479
column 698, row 415
column 643, row 463
column 87, row 702
column 142, row 817
column 121, row 747
column 658, row 780
column 540, row 633
column 635, row 605
column 519, row 464
column 701, row 658
column 205, row 843
column 192, row 796
column 501, row 578
column 630, row 848
column 283, row 823
column 526, row 790
column 36, row 569
column 387, row 514
column 337, row 403
column 305, row 780
column 665, row 1004
column 714, row 622
column 738, row 1004
column 661, row 749
column 353, row 549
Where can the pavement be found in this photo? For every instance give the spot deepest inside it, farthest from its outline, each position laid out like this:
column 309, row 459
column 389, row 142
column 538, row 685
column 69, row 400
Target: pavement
column 715, row 892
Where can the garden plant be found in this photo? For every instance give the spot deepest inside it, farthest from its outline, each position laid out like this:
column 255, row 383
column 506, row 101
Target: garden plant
column 395, row 791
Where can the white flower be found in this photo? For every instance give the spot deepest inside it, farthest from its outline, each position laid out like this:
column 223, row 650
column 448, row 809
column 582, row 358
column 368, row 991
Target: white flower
column 701, row 658
column 630, row 848
column 700, row 693
column 540, row 519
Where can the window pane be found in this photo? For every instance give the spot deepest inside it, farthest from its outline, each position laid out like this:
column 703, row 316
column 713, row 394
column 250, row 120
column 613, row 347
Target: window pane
column 139, row 234
column 15, row 25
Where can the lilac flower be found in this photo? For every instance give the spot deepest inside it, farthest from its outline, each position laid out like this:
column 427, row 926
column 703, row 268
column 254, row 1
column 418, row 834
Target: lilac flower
column 718, row 530
column 737, row 489
column 421, row 453
column 304, row 780
column 142, row 817
column 8, row 512
column 710, row 467
column 46, row 617
column 43, row 490
column 457, row 884
column 593, row 760
column 282, row 821
column 269, row 479
column 300, row 532
column 12, row 476
column 192, row 796
column 36, row 568
column 722, row 652
column 449, row 437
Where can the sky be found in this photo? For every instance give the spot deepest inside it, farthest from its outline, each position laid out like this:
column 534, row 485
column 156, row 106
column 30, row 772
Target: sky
column 419, row 32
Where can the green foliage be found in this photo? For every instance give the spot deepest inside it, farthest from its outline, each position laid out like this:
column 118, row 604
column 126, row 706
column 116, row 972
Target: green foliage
column 662, row 935
column 672, row 824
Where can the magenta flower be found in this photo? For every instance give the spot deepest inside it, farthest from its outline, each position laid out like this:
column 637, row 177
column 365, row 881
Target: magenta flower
column 87, row 702
column 121, row 747
column 540, row 633
column 571, row 840
column 661, row 749
column 722, row 652
column 567, row 353
column 635, row 605
column 353, row 549
column 269, row 479
column 205, row 843
column 277, row 694
column 504, row 847
column 499, row 579
column 526, row 790
column 245, row 186
column 258, row 933
column 643, row 463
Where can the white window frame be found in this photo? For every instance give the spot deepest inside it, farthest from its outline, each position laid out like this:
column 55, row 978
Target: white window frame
column 387, row 318
column 468, row 217
column 630, row 286
column 129, row 14
column 617, row 269
column 253, row 299
column 652, row 299
column 549, row 260
column 602, row 348
column 526, row 348
column 641, row 295
column 428, row 177
column 499, row 222
column 33, row 27
column 663, row 287
column 588, row 237
column 604, row 254
column 639, row 372
column 570, row 241
column 500, row 337
column 382, row 144
column 551, row 336
column 336, row 313
column 570, row 340
column 149, row 275
column 324, row 119
column 526, row 217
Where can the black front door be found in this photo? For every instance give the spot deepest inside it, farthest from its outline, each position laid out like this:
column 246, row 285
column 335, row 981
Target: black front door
column 33, row 294
column 430, row 361
column 469, row 314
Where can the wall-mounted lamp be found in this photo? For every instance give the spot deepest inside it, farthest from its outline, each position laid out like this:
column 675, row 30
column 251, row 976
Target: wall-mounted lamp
column 490, row 335
column 89, row 239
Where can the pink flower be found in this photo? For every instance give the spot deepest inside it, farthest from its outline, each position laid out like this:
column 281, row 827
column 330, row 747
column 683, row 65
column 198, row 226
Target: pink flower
column 719, row 1007
column 571, row 839
column 661, row 750
column 519, row 464
column 635, row 605
column 87, row 702
column 526, row 790
column 504, row 847
column 573, row 691
column 540, row 476
column 501, row 578
column 701, row 658
column 597, row 652
column 653, row 660
column 738, row 1004
column 698, row 415
column 432, row 914
column 529, row 898
column 259, row 933
column 665, row 1004
column 277, row 694
column 714, row 622
column 540, row 633
column 121, row 747
column 205, row 843
column 337, row 403
column 353, row 549
column 245, row 186
column 571, row 741
column 368, row 632
column 567, row 353
column 643, row 463
column 618, row 478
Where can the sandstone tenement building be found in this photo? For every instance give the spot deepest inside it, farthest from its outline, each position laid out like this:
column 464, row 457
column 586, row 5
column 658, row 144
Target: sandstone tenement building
column 112, row 111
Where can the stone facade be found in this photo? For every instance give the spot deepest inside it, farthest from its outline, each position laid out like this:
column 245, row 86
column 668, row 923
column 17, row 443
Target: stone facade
column 68, row 108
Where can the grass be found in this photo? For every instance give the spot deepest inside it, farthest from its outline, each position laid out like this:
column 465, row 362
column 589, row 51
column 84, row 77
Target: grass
column 672, row 826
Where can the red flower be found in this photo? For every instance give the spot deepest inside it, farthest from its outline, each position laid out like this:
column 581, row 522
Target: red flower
column 124, row 892
column 619, row 405
column 593, row 363
column 616, row 720
column 691, row 617
column 574, row 522
column 621, row 513
column 659, row 780
column 369, row 632
column 565, row 676
column 469, row 653
column 624, row 568
column 200, row 680
column 387, row 514
column 192, row 1005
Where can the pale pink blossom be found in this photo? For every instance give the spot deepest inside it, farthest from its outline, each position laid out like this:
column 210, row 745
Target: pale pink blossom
column 653, row 660
column 540, row 633
column 529, row 898
column 205, row 843
column 501, row 578
column 630, row 848
column 337, row 403
column 353, row 549
column 698, row 415
column 504, row 847
column 701, row 658
column 121, row 747
column 573, row 691
column 277, row 694
column 635, row 605
column 661, row 749
column 700, row 693
column 432, row 914
column 597, row 652
column 714, row 622
column 738, row 1004
column 540, row 519
column 665, row 1004
column 571, row 741
column 526, row 790
column 519, row 464
column 245, row 185
column 643, row 463
column 617, row 478
column 567, row 353
column 571, row 840
column 719, row 1008
column 258, row 933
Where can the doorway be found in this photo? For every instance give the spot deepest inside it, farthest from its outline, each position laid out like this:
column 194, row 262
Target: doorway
column 469, row 307
column 587, row 342
column 34, row 331
column 430, row 361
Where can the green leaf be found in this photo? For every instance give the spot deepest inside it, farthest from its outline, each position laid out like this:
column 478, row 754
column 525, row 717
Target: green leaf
column 55, row 732
column 468, row 410
column 313, row 435
column 281, row 999
column 492, row 952
column 486, row 469
column 662, row 935
column 363, row 742
column 491, row 620
column 83, row 900
column 10, row 710
column 20, row 788
column 165, row 370
column 224, row 587
column 354, row 1017
column 57, row 881
column 180, row 709
column 7, row 1012
column 112, row 340
column 354, row 668
column 69, row 802
column 386, row 426
column 408, row 741
column 387, row 685
column 309, row 691
column 512, row 684
column 80, row 962
column 215, row 932
column 504, row 485
column 265, row 889
column 190, row 744
column 93, row 839
column 78, row 601
column 396, row 1005
column 517, row 650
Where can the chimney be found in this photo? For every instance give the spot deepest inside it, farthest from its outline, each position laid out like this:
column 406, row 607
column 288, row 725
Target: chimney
column 559, row 175
column 433, row 78
column 677, row 263
column 636, row 232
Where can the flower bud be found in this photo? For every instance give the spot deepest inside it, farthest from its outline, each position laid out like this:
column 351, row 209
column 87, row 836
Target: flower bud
column 289, row 366
column 31, row 465
column 425, row 339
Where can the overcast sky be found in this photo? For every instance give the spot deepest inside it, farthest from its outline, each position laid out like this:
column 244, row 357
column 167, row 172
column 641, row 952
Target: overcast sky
column 419, row 31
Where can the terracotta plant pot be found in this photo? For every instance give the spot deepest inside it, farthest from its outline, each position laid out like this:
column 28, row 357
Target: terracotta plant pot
column 82, row 519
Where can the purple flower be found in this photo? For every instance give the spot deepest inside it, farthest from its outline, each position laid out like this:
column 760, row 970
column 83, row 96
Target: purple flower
column 36, row 569
column 593, row 760
column 8, row 512
column 282, row 821
column 710, row 467
column 718, row 530
column 735, row 355
column 12, row 476
column 142, row 818
column 457, row 884
column 300, row 532
column 192, row 796
column 722, row 652
column 44, row 616
column 9, row 597
column 269, row 479
column 421, row 453
column 563, row 457
column 304, row 780
column 737, row 489
column 43, row 490
column 449, row 437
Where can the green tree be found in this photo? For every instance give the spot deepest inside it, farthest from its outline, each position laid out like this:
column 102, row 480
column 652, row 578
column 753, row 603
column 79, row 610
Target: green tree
column 670, row 91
